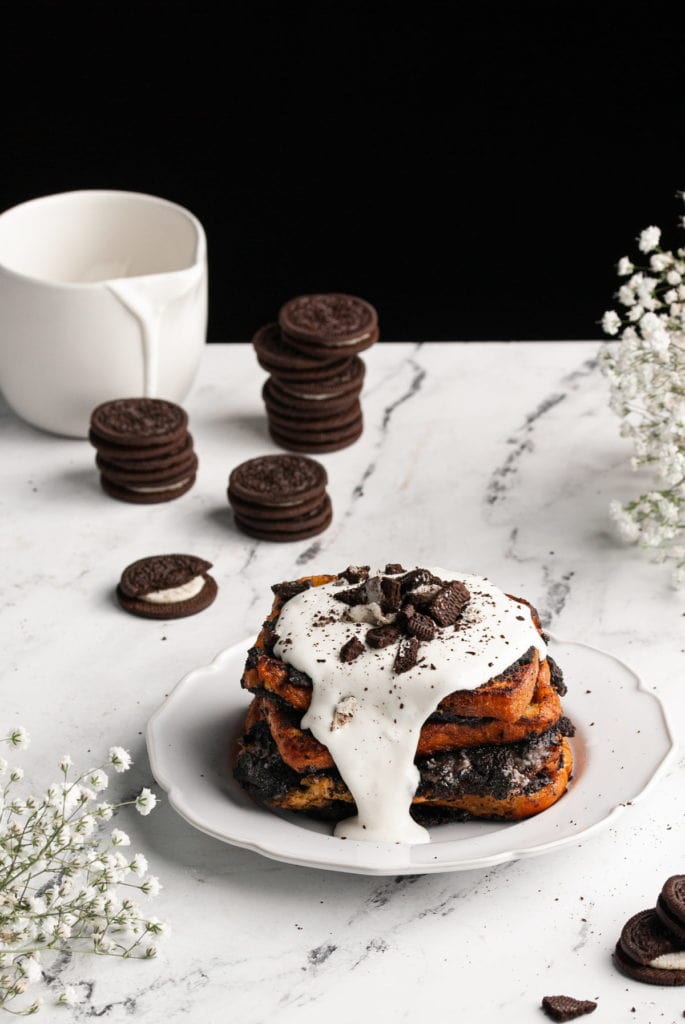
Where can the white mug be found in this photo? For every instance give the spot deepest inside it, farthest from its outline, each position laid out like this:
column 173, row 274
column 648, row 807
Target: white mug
column 103, row 295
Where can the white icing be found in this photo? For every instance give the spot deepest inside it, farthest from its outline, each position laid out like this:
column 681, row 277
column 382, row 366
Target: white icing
column 669, row 961
column 158, row 490
column 174, row 594
column 375, row 750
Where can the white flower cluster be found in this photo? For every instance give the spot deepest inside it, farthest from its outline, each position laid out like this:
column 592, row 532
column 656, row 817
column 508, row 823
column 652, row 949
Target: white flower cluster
column 65, row 882
column 646, row 370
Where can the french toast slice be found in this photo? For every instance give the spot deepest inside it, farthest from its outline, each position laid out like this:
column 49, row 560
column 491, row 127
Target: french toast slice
column 300, row 750
column 506, row 781
column 504, row 697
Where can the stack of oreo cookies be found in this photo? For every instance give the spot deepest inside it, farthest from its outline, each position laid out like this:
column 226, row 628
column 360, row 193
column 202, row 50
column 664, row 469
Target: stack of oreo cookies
column 280, row 497
column 316, row 375
column 651, row 947
column 144, row 451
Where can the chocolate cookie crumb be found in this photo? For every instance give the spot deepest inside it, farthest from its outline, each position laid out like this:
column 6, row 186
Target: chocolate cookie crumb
column 449, row 603
column 290, row 588
column 407, row 654
column 351, row 650
column 355, row 573
column 382, row 636
column 394, row 569
column 562, row 1008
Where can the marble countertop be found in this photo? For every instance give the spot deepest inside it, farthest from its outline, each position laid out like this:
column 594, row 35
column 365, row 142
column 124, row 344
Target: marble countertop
column 493, row 458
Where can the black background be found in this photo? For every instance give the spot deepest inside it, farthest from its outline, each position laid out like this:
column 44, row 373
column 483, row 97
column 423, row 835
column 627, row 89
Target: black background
column 474, row 173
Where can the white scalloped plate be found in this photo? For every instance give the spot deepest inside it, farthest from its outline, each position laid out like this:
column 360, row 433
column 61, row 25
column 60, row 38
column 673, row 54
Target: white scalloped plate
column 622, row 744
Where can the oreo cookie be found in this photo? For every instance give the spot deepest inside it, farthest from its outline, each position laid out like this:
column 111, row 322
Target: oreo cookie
column 166, row 587
column 670, row 906
column 280, row 497
column 329, row 322
column 144, row 451
column 318, row 443
column 285, row 362
column 649, row 952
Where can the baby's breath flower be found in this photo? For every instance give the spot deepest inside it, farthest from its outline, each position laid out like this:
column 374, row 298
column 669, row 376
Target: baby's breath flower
column 146, row 801
column 119, row 759
column 59, row 880
column 19, row 737
column 151, row 886
column 649, row 239
column 139, row 865
column 646, row 370
column 98, row 780
column 611, row 322
column 68, row 996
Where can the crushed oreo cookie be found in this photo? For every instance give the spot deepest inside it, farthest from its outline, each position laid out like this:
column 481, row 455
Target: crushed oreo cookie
column 290, row 588
column 402, row 606
column 351, row 650
column 449, row 603
column 421, row 626
column 563, row 1008
column 407, row 654
column 382, row 636
column 355, row 573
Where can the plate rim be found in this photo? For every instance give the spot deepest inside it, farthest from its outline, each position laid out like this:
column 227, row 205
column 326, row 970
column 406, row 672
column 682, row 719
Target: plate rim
column 439, row 867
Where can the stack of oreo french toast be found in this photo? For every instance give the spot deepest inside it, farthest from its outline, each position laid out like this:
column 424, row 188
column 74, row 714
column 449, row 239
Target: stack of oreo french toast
column 316, row 375
column 497, row 751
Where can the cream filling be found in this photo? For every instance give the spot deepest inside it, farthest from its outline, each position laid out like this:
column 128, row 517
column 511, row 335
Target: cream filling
column 669, row 961
column 158, row 490
column 369, row 716
column 174, row 594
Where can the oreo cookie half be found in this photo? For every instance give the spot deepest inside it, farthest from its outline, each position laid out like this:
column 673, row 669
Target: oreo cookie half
column 166, row 587
column 647, row 951
column 670, row 906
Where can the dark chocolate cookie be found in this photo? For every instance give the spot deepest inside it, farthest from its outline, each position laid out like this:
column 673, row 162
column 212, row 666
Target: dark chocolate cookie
column 151, row 495
column 278, row 357
column 308, row 423
column 647, row 975
column 282, row 536
column 316, row 517
column 644, row 938
column 165, row 473
column 328, row 404
column 318, row 443
column 154, row 587
column 349, row 379
column 250, row 510
column 329, row 321
column 139, row 460
column 139, row 422
column 563, row 1008
column 670, row 907
column 276, row 480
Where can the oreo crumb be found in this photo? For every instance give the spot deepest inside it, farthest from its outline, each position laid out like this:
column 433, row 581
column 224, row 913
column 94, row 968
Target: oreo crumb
column 351, row 650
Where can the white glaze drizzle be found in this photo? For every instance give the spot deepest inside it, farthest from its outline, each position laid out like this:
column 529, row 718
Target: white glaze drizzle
column 374, row 748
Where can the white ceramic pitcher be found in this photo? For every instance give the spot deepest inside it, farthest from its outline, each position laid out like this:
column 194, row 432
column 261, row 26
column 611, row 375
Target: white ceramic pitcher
column 103, row 294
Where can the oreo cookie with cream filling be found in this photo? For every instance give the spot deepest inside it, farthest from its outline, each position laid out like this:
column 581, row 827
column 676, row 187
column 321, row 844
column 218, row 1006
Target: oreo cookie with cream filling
column 166, row 586
column 647, row 951
column 280, row 497
column 321, row 442
column 135, row 422
column 278, row 357
column 329, row 322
